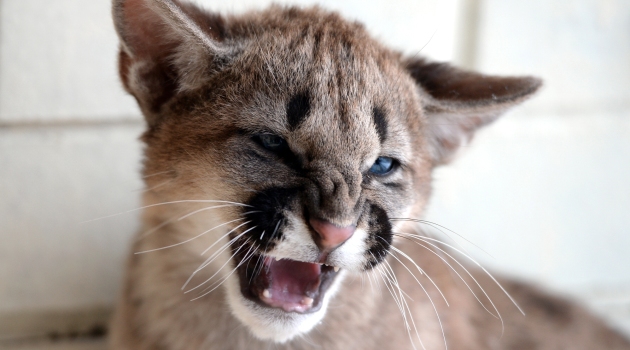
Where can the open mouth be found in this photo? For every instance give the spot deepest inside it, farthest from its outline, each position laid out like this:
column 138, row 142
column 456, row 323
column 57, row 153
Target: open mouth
column 290, row 285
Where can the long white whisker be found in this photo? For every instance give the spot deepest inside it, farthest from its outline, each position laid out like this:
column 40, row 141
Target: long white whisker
column 172, row 219
column 439, row 228
column 419, row 269
column 405, row 304
column 156, row 228
column 225, row 235
column 156, row 174
column 427, row 294
column 222, row 266
column 204, row 209
column 259, row 269
column 248, row 255
column 190, row 239
column 222, row 281
column 226, row 246
column 484, row 270
column 469, row 274
column 214, row 255
column 166, row 203
column 164, row 183
column 394, row 296
column 456, row 272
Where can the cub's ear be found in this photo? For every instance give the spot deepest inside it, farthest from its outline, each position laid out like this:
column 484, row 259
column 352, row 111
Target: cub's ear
column 458, row 102
column 166, row 47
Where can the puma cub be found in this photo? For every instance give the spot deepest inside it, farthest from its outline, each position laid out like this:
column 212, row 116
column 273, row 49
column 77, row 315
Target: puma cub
column 288, row 157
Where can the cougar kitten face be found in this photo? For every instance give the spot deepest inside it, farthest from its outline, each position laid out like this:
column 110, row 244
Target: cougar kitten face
column 290, row 140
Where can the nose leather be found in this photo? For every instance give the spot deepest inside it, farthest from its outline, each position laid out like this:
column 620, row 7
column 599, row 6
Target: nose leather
column 329, row 235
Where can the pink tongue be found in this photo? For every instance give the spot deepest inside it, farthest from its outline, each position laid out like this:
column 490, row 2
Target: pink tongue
column 290, row 282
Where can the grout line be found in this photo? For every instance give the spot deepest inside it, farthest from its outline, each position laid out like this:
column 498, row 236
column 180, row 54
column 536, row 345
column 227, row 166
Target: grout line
column 125, row 121
column 467, row 40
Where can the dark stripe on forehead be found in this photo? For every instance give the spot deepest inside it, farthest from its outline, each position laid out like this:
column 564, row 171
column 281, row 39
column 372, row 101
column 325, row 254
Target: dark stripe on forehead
column 297, row 109
column 378, row 116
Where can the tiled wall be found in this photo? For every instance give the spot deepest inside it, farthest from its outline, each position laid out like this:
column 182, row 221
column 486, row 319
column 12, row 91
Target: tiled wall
column 544, row 190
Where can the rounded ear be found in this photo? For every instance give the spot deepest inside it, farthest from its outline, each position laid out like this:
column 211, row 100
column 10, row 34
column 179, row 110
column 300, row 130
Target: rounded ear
column 458, row 102
column 167, row 47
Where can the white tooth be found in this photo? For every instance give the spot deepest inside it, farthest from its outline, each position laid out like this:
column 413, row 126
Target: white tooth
column 307, row 301
column 266, row 293
column 336, row 268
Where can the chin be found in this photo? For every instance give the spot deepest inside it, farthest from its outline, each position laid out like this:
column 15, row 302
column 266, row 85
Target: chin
column 273, row 320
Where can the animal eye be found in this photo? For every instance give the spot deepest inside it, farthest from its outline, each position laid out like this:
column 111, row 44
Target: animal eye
column 382, row 166
column 271, row 142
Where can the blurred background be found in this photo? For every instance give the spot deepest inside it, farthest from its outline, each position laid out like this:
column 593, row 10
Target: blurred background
column 545, row 190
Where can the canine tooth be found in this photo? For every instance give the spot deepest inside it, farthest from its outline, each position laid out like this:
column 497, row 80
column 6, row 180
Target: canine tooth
column 307, row 301
column 266, row 293
column 336, row 268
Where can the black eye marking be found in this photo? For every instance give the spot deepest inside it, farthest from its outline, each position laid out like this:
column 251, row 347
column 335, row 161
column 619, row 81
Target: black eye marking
column 297, row 109
column 266, row 215
column 380, row 236
column 378, row 116
column 383, row 166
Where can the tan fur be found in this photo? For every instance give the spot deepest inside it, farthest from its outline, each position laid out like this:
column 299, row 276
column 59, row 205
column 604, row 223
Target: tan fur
column 206, row 84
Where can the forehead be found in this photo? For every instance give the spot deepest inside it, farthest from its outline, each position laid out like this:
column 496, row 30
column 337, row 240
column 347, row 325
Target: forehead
column 325, row 82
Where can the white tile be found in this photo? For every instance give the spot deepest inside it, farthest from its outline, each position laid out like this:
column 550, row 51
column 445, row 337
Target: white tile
column 546, row 196
column 408, row 25
column 58, row 62
column 52, row 179
column 580, row 48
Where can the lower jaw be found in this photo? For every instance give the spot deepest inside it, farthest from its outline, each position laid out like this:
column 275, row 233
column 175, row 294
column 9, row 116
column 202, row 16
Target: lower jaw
column 256, row 291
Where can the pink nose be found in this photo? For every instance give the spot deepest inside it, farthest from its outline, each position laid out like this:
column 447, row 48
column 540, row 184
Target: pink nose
column 330, row 235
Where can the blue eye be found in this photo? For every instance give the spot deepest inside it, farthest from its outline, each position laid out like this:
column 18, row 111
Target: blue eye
column 271, row 142
column 382, row 165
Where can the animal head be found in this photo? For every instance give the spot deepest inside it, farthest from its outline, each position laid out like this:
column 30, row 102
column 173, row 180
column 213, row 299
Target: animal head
column 310, row 135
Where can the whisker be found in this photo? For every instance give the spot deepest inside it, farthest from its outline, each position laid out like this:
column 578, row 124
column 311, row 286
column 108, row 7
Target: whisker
column 222, row 281
column 219, row 270
column 456, row 272
column 425, row 292
column 259, row 270
column 482, row 268
column 225, row 235
column 166, row 203
column 439, row 228
column 208, row 208
column 405, row 304
column 156, row 228
column 156, row 174
column 142, row 190
column 394, row 296
column 420, row 270
column 247, row 256
column 225, row 246
column 190, row 239
column 174, row 218
column 473, row 278
column 389, row 283
column 209, row 260
column 369, row 276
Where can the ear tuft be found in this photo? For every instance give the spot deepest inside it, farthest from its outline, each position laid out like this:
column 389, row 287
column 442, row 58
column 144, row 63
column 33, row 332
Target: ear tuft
column 166, row 47
column 458, row 102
